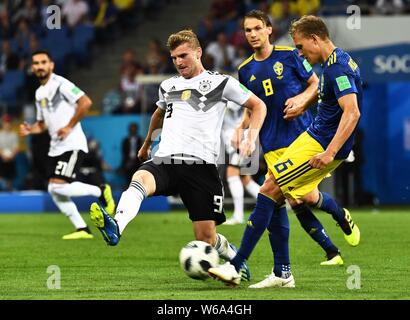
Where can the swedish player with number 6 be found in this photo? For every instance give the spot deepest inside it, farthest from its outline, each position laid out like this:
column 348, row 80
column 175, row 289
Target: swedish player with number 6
column 60, row 107
column 190, row 112
column 295, row 168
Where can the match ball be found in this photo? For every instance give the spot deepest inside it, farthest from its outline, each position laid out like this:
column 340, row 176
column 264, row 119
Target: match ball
column 196, row 258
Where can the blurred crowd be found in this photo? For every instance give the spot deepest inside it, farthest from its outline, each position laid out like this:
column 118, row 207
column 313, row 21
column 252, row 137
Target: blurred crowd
column 88, row 24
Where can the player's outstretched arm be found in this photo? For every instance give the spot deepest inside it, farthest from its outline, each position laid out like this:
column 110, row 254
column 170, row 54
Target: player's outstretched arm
column 296, row 105
column 257, row 116
column 84, row 103
column 156, row 122
column 348, row 123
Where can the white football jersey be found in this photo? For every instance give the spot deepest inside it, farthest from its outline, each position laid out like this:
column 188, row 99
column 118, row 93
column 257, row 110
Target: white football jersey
column 56, row 105
column 194, row 111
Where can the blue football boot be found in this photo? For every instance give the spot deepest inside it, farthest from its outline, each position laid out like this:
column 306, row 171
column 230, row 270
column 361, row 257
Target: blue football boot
column 107, row 225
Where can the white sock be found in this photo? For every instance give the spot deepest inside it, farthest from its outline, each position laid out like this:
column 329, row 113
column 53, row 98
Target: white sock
column 236, row 189
column 224, row 249
column 253, row 188
column 68, row 207
column 129, row 204
column 75, row 189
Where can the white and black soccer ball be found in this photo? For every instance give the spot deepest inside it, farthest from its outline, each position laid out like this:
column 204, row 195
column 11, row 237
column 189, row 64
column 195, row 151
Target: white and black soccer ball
column 197, row 257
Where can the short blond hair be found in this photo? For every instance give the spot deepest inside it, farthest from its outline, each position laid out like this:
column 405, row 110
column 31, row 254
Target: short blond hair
column 183, row 36
column 308, row 25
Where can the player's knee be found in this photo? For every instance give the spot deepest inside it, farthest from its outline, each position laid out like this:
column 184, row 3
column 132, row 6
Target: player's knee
column 206, row 236
column 271, row 189
column 245, row 180
column 53, row 188
column 146, row 179
column 312, row 198
column 295, row 202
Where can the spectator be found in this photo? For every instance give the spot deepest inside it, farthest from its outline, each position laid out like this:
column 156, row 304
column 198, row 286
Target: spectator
column 386, row 7
column 22, row 38
column 27, row 12
column 105, row 16
column 130, row 146
column 207, row 30
column 153, row 55
column 6, row 31
column 8, row 152
column 8, row 59
column 74, row 12
column 222, row 52
column 130, row 90
column 238, row 38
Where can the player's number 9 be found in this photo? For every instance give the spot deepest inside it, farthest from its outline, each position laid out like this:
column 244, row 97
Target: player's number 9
column 267, row 85
column 219, row 203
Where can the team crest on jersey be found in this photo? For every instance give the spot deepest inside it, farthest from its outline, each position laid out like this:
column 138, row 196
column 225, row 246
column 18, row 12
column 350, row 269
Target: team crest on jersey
column 43, row 103
column 186, row 95
column 205, row 85
column 278, row 68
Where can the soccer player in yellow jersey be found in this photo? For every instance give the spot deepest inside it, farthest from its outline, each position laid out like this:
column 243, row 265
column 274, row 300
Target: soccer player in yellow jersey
column 317, row 151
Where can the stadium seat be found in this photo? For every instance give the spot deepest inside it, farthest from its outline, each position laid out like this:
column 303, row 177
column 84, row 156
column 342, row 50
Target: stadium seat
column 83, row 35
column 58, row 43
column 13, row 80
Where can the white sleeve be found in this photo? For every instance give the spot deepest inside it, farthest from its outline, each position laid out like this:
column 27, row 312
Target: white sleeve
column 39, row 114
column 236, row 92
column 71, row 92
column 161, row 100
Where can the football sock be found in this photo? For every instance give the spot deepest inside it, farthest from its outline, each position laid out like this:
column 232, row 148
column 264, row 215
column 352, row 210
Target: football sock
column 129, row 204
column 224, row 249
column 314, row 228
column 68, row 207
column 75, row 189
column 86, row 229
column 253, row 188
column 328, row 204
column 279, row 241
column 236, row 189
column 256, row 225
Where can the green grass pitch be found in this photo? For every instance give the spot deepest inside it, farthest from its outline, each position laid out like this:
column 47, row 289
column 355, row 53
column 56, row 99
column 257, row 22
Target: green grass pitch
column 145, row 264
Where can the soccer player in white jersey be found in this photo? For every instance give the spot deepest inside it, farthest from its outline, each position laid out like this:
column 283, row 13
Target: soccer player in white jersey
column 60, row 107
column 190, row 113
column 236, row 182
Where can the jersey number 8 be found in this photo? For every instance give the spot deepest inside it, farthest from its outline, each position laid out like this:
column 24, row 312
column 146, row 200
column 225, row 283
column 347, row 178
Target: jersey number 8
column 267, row 85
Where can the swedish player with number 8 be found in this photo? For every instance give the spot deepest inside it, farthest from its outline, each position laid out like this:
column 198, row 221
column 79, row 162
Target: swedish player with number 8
column 190, row 112
column 275, row 74
column 60, row 107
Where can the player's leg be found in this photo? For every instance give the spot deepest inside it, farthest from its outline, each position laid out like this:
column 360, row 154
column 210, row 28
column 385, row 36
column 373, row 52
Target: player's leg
column 69, row 209
column 316, row 231
column 256, row 225
column 67, row 168
column 236, row 190
column 324, row 202
column 281, row 275
column 60, row 175
column 201, row 191
column 250, row 186
column 143, row 184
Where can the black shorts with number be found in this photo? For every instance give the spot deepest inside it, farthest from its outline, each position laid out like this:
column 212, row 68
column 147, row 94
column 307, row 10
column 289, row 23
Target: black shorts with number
column 65, row 166
column 198, row 184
